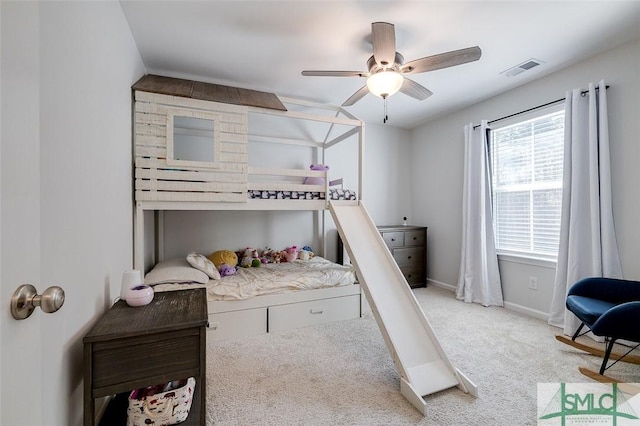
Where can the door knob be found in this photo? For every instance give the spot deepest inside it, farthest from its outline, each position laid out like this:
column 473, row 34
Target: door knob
column 26, row 298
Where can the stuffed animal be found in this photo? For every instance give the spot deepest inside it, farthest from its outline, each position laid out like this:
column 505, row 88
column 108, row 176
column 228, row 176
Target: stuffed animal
column 291, row 253
column 250, row 258
column 226, row 270
column 223, row 256
column 245, row 258
column 305, row 253
column 316, row 180
column 267, row 255
column 273, row 256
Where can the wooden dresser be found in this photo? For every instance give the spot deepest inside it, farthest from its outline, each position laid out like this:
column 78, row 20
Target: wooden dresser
column 130, row 348
column 408, row 245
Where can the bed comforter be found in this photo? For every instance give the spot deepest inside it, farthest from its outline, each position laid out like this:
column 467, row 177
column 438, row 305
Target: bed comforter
column 274, row 278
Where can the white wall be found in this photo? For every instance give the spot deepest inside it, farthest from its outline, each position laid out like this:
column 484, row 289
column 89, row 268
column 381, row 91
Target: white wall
column 386, row 194
column 437, row 153
column 87, row 64
column 19, row 195
column 388, row 180
column 208, row 231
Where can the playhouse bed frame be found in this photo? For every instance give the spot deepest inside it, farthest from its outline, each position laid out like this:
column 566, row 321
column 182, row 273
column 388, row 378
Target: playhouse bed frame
column 162, row 184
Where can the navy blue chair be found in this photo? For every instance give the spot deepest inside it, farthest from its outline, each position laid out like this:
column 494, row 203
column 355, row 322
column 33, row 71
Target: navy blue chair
column 609, row 308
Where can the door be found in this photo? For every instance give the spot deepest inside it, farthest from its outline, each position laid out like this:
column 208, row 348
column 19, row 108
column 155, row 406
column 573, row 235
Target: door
column 21, row 348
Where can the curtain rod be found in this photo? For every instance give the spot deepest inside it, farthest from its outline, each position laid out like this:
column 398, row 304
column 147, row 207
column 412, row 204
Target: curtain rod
column 582, row 93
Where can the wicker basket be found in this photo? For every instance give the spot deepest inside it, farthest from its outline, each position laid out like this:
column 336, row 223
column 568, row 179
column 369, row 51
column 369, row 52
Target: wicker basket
column 161, row 408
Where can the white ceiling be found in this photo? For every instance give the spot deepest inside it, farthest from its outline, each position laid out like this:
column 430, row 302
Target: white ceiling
column 264, row 45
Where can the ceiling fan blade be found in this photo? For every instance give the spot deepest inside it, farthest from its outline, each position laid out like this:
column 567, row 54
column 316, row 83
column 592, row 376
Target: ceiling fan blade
column 443, row 60
column 364, row 90
column 336, row 73
column 415, row 90
column 383, row 37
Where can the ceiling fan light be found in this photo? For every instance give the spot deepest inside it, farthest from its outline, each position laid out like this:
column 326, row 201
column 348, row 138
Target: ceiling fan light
column 385, row 83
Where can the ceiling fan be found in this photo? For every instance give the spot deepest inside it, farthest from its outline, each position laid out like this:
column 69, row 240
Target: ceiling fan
column 387, row 68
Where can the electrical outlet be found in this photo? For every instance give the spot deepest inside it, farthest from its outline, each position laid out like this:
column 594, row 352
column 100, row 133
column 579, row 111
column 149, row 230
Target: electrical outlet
column 533, row 283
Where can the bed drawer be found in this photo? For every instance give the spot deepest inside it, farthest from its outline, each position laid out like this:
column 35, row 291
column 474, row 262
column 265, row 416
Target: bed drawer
column 295, row 315
column 235, row 324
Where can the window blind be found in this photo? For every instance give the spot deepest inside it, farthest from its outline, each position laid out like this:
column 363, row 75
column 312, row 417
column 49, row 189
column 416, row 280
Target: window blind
column 526, row 169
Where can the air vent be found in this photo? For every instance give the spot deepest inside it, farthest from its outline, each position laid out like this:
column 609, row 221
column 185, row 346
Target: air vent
column 525, row 66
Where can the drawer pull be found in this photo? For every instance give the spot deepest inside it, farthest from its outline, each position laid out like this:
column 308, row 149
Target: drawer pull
column 408, row 257
column 393, row 240
column 415, row 238
column 317, row 310
column 215, row 325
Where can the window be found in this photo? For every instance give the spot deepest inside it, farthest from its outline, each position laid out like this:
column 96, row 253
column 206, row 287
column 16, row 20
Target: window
column 526, row 170
column 193, row 138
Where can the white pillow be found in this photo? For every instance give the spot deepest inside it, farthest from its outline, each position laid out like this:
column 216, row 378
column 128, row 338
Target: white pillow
column 175, row 271
column 202, row 263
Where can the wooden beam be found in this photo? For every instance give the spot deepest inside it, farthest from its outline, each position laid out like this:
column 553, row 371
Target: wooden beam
column 216, row 93
column 208, row 92
column 164, row 85
column 260, row 99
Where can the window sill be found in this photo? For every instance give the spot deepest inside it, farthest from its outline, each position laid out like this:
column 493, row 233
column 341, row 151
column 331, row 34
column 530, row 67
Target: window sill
column 528, row 260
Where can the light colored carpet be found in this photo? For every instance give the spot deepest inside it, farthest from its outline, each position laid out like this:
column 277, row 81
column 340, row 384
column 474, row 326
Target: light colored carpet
column 342, row 374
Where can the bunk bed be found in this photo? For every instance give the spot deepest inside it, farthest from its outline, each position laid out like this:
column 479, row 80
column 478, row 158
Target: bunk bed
column 219, row 171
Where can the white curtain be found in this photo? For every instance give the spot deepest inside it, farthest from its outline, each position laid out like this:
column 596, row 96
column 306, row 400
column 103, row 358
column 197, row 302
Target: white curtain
column 588, row 244
column 479, row 278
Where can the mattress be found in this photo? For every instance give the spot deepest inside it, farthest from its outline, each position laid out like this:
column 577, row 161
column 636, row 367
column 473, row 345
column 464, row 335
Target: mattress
column 334, row 194
column 274, row 278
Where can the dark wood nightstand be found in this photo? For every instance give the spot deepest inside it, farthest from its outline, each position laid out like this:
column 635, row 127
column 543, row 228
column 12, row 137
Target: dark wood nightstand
column 408, row 245
column 130, row 348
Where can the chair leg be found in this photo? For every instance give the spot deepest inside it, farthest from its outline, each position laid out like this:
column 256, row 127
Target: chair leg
column 577, row 333
column 603, row 367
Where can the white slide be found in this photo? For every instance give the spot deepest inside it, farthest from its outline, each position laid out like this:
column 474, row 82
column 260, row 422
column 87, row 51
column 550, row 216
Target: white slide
column 421, row 362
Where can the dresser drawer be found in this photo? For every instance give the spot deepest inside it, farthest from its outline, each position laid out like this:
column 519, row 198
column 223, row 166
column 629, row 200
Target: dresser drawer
column 414, row 238
column 134, row 359
column 234, row 324
column 414, row 275
column 408, row 246
column 285, row 317
column 413, row 256
column 393, row 239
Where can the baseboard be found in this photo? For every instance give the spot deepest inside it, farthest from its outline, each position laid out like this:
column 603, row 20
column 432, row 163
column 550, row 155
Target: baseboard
column 507, row 305
column 440, row 284
column 527, row 311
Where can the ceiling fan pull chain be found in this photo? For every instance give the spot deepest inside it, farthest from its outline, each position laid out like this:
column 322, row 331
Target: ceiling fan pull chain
column 386, row 117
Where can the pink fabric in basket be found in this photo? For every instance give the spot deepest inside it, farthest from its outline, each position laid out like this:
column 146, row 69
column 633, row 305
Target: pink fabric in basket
column 162, row 408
